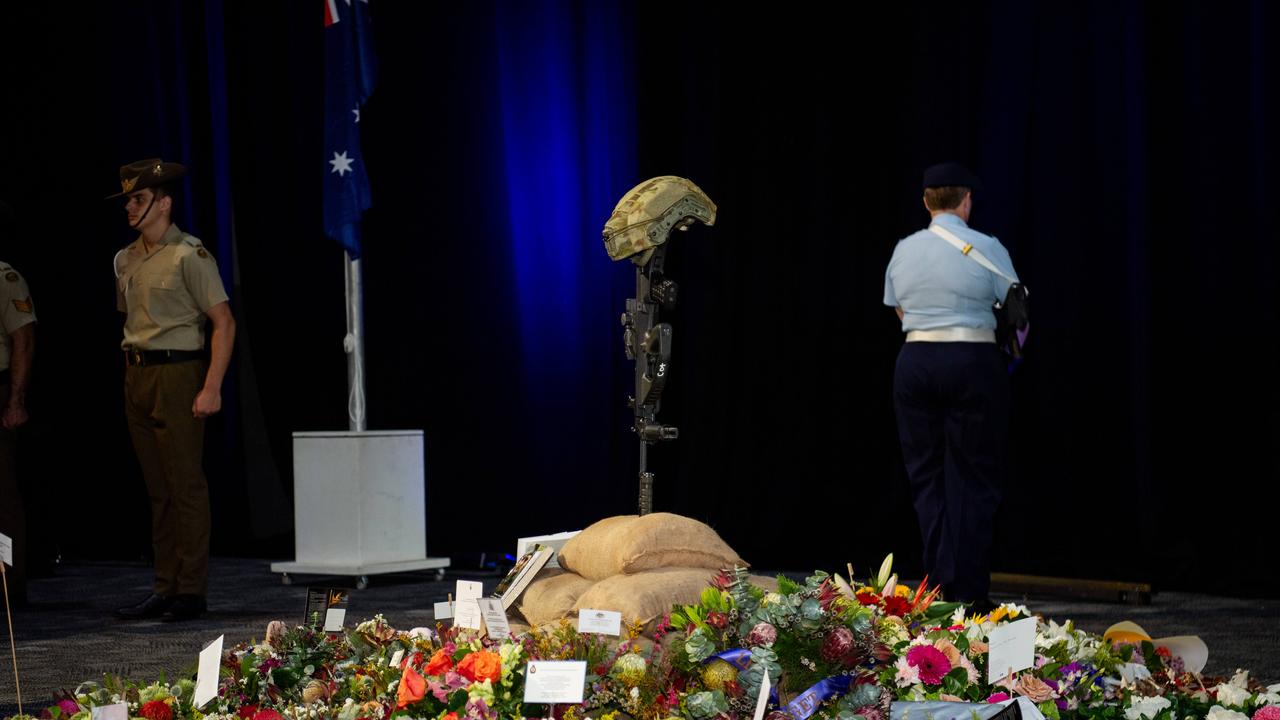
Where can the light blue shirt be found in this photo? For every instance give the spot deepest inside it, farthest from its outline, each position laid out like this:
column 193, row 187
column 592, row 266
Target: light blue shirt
column 937, row 286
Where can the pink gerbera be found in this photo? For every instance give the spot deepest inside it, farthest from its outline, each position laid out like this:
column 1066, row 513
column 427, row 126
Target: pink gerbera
column 1267, row 712
column 931, row 662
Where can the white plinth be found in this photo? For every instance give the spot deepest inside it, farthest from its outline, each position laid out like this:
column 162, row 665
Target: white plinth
column 359, row 504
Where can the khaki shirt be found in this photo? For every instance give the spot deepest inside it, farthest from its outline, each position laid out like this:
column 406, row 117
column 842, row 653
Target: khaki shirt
column 16, row 311
column 167, row 293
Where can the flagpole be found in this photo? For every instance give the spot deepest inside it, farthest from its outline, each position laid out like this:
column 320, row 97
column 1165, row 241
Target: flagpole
column 354, row 345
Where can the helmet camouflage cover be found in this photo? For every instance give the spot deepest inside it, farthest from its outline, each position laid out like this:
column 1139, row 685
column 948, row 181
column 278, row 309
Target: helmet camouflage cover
column 645, row 216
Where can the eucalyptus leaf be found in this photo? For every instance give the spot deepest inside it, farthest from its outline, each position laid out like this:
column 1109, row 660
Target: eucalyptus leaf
column 699, row 646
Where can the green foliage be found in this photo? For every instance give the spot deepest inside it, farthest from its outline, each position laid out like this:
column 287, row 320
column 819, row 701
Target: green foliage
column 940, row 610
column 787, row 586
column 706, row 704
column 699, row 646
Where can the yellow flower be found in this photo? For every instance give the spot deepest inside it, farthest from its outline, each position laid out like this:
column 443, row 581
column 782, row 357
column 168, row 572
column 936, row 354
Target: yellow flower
column 999, row 614
column 865, row 589
column 902, row 591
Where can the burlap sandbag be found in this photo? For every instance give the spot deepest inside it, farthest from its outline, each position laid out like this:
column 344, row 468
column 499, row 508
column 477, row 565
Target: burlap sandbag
column 644, row 596
column 593, row 553
column 552, row 596
column 630, row 544
column 664, row 540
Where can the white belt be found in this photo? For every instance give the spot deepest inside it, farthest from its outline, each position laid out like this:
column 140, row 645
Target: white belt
column 952, row 334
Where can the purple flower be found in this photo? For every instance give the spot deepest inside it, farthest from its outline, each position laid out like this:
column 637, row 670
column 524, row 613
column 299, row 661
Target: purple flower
column 838, row 645
column 762, row 634
column 478, row 709
column 454, row 681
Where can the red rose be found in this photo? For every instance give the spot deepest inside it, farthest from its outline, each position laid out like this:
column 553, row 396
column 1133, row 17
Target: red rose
column 156, row 710
column 867, row 598
column 246, row 712
column 267, row 715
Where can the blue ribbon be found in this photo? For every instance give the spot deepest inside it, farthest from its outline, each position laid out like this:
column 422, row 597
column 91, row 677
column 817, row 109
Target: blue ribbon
column 806, row 703
column 738, row 658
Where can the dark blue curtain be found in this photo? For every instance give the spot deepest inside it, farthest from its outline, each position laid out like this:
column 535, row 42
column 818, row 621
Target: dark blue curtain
column 1126, row 154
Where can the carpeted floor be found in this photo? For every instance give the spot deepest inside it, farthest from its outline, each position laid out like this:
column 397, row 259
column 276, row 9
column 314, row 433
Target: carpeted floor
column 68, row 635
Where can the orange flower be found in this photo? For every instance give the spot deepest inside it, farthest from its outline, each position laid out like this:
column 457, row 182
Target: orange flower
column 412, row 688
column 439, row 664
column 1034, row 689
column 949, row 649
column 480, row 666
column 450, row 716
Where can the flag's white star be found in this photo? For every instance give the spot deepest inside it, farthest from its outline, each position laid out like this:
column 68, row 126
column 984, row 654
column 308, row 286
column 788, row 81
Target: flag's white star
column 341, row 163
column 356, row 112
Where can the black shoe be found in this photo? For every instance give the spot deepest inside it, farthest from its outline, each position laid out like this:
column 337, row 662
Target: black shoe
column 153, row 606
column 185, row 607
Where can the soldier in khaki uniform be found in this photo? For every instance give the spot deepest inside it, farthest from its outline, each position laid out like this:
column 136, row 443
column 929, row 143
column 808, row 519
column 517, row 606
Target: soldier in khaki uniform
column 168, row 284
column 17, row 346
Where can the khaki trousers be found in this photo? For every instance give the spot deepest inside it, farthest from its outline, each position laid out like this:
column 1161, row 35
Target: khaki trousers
column 169, row 442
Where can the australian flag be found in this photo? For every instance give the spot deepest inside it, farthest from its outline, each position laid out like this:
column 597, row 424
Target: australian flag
column 350, row 69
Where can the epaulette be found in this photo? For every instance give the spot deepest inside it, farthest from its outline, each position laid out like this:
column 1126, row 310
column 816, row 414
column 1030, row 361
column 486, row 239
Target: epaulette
column 194, row 243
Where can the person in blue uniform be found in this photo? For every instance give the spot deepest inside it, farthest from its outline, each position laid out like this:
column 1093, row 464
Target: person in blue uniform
column 950, row 384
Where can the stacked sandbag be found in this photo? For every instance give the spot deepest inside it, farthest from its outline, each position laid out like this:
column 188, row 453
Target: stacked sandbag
column 552, row 596
column 639, row 566
column 648, row 595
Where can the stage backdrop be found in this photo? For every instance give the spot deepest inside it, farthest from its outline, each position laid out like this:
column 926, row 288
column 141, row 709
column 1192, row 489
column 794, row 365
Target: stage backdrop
column 1128, row 169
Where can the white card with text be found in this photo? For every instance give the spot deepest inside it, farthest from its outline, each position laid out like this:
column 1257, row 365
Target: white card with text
column 116, row 711
column 601, row 622
column 396, row 657
column 468, row 590
column 555, row 682
column 466, row 614
column 495, row 618
column 6, row 550
column 443, row 610
column 334, row 619
column 1011, row 649
column 762, row 700
column 207, row 676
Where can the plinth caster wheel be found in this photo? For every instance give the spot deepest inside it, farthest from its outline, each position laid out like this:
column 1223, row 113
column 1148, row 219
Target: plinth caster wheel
column 362, row 582
column 285, row 579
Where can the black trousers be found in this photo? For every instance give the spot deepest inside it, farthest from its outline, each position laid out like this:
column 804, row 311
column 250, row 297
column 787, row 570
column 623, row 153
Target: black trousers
column 952, row 405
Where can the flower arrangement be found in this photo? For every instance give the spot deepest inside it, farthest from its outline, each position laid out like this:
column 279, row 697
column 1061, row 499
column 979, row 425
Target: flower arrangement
column 1075, row 675
column 832, row 648
column 814, row 639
